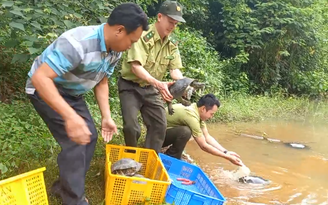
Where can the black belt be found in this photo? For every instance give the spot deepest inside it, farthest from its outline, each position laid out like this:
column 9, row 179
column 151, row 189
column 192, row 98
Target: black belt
column 135, row 84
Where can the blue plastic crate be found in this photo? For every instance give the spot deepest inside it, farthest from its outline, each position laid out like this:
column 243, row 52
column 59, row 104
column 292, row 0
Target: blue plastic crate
column 203, row 192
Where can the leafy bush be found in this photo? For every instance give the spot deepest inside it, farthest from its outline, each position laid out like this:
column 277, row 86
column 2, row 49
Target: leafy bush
column 28, row 27
column 200, row 60
column 23, row 136
column 269, row 40
column 313, row 82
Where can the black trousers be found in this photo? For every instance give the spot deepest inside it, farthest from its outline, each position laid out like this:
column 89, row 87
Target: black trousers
column 74, row 159
column 177, row 137
column 148, row 101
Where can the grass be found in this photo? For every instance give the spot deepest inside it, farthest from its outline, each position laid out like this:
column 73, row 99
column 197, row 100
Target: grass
column 26, row 144
column 257, row 108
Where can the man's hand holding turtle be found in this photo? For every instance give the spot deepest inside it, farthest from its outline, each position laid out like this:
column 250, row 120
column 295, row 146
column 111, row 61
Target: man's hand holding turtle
column 163, row 88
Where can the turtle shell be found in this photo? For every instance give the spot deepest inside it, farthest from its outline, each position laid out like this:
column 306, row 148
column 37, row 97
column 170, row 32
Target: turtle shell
column 179, row 87
column 253, row 180
column 126, row 166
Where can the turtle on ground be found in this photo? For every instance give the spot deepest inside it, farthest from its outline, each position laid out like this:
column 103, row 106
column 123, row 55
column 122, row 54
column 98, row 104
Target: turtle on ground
column 126, row 167
column 182, row 91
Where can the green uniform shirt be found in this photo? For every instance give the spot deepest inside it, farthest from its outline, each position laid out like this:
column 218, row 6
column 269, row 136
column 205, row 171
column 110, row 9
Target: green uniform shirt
column 156, row 57
column 186, row 116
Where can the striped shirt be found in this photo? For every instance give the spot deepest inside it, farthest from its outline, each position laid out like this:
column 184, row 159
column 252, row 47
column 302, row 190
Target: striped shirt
column 79, row 57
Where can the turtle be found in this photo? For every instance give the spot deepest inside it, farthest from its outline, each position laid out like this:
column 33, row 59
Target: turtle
column 126, row 167
column 253, row 180
column 182, row 91
column 296, row 145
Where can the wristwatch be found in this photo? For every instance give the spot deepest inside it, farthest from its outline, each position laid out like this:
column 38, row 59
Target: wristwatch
column 225, row 151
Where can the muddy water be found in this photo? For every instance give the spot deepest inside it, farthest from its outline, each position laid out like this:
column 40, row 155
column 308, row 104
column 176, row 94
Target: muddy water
column 297, row 176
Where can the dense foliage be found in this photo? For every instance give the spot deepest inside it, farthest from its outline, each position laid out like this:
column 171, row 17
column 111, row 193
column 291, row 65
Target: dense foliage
column 265, row 46
column 276, row 45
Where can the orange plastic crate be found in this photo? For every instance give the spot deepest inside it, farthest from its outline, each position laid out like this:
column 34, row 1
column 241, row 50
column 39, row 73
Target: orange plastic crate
column 24, row 189
column 123, row 190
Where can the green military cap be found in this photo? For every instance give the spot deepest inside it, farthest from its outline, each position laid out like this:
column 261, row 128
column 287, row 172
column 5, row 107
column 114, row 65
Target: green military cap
column 172, row 9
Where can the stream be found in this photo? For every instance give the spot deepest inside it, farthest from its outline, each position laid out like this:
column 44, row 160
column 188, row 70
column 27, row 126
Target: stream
column 298, row 176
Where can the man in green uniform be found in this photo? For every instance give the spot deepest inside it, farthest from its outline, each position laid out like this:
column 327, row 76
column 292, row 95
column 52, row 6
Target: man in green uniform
column 143, row 68
column 189, row 121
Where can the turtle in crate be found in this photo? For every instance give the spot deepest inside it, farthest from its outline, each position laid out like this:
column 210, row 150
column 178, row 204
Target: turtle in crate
column 126, row 167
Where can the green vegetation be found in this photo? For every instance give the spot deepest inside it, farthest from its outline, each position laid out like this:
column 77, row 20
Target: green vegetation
column 262, row 59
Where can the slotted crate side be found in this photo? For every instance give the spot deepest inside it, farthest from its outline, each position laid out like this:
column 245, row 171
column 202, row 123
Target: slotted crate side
column 130, row 190
column 207, row 192
column 180, row 196
column 144, row 158
column 24, row 189
column 154, row 168
column 36, row 189
column 176, row 167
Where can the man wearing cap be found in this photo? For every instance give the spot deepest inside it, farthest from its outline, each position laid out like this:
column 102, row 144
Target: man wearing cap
column 140, row 84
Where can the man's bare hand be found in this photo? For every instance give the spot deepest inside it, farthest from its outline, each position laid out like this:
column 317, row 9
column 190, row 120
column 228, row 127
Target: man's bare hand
column 163, row 88
column 77, row 130
column 233, row 154
column 235, row 160
column 108, row 128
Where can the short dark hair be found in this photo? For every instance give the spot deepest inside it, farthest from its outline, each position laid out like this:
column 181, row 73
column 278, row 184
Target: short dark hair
column 208, row 100
column 130, row 15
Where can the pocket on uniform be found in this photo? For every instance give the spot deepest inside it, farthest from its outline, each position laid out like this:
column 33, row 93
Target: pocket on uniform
column 149, row 64
column 150, row 61
column 164, row 61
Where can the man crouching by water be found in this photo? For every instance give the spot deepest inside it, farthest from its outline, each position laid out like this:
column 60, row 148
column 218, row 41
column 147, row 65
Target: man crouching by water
column 189, row 121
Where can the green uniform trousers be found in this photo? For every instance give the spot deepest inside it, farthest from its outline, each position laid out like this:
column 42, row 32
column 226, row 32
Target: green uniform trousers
column 177, row 137
column 148, row 101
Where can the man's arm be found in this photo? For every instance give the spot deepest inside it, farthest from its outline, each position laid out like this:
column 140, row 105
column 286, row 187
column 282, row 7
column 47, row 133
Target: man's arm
column 176, row 74
column 201, row 141
column 192, row 122
column 199, row 137
column 108, row 126
column 142, row 73
column 42, row 80
column 137, row 57
column 76, row 127
column 175, row 64
column 101, row 93
column 210, row 140
column 65, row 56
